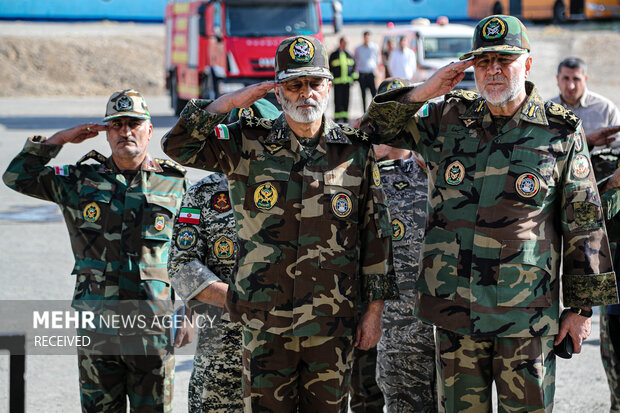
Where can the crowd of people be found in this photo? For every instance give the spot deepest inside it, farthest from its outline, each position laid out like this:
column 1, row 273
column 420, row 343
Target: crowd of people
column 407, row 263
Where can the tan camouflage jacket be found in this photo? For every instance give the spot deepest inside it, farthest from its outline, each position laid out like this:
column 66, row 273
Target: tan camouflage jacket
column 505, row 208
column 312, row 228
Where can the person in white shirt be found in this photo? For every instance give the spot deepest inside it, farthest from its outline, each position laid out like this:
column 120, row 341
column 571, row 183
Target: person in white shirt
column 402, row 62
column 366, row 61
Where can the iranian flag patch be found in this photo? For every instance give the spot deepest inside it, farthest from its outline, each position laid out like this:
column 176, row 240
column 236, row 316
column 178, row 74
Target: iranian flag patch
column 61, row 170
column 189, row 216
column 221, row 131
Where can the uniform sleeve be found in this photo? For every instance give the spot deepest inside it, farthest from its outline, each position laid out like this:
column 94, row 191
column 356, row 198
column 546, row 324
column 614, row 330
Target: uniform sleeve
column 28, row 174
column 588, row 277
column 200, row 140
column 378, row 280
column 188, row 273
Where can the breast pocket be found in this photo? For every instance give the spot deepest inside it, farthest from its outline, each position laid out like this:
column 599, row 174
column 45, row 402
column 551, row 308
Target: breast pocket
column 93, row 209
column 530, row 177
column 457, row 167
column 267, row 185
column 157, row 222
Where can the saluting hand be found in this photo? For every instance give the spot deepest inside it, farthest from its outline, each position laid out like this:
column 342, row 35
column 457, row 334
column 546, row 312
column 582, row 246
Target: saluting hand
column 602, row 136
column 241, row 98
column 76, row 134
column 442, row 82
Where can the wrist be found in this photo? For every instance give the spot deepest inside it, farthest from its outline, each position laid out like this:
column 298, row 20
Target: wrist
column 584, row 312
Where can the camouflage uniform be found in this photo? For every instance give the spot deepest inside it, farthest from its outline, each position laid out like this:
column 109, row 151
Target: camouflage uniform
column 120, row 233
column 203, row 252
column 406, row 352
column 312, row 231
column 501, row 205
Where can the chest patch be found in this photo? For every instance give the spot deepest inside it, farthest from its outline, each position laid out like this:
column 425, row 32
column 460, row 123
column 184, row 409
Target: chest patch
column 342, row 205
column 265, row 196
column 455, row 172
column 91, row 212
column 400, row 185
column 527, row 185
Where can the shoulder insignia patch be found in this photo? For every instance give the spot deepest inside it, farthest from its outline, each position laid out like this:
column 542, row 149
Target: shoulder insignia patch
column 221, row 131
column 220, row 201
column 463, row 94
column 170, row 165
column 186, row 238
column 398, row 229
column 559, row 111
column 581, row 166
column 376, row 175
column 253, row 122
column 423, row 111
column 349, row 131
column 579, row 142
column 61, row 170
column 189, row 216
column 92, row 155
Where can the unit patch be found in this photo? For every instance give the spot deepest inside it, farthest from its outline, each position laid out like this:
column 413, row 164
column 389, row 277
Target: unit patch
column 341, row 205
column 527, row 185
column 494, row 29
column 91, row 212
column 455, row 172
column 220, row 201
column 265, row 196
column 301, row 50
column 160, row 222
column 400, row 185
column 186, row 238
column 221, row 131
column 223, row 248
column 124, row 104
column 581, row 166
column 398, row 230
column 376, row 175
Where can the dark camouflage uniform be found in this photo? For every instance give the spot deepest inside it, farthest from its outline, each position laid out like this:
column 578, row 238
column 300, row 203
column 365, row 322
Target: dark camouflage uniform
column 120, row 233
column 406, row 352
column 505, row 207
column 202, row 253
column 312, row 231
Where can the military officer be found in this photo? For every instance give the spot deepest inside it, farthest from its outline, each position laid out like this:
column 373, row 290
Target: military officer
column 200, row 265
column 312, row 231
column 511, row 196
column 119, row 211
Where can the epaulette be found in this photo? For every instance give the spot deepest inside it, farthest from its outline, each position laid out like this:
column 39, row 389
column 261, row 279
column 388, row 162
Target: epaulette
column 560, row 112
column 468, row 95
column 254, row 122
column 171, row 166
column 354, row 133
column 92, row 155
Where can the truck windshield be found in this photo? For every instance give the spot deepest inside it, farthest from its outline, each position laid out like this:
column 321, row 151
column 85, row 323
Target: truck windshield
column 271, row 19
column 446, row 47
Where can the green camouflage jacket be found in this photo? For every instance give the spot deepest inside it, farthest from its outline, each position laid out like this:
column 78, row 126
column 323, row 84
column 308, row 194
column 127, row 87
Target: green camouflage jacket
column 505, row 208
column 119, row 231
column 311, row 227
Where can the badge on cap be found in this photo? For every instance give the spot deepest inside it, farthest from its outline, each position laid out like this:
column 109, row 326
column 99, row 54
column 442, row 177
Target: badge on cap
column 341, row 205
column 301, row 50
column 376, row 175
column 455, row 173
column 223, row 248
column 394, row 84
column 91, row 212
column 581, row 166
column 527, row 185
column 124, row 104
column 398, row 230
column 186, row 238
column 265, row 196
column 494, row 29
column 220, row 201
column 247, row 112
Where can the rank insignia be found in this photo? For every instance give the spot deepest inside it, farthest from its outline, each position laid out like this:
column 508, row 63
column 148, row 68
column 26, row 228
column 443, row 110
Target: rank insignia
column 272, row 148
column 91, row 212
column 581, row 166
column 579, row 143
column 400, row 185
column 376, row 175
column 220, row 201
column 455, row 172
column 160, row 222
column 532, row 110
column 341, row 205
column 223, row 248
column 221, row 131
column 398, row 230
column 186, row 238
column 265, row 196
column 527, row 185
column 301, row 50
column 494, row 29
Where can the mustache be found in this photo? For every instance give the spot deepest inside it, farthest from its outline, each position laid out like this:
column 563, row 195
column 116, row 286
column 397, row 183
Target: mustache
column 127, row 139
column 495, row 78
column 308, row 101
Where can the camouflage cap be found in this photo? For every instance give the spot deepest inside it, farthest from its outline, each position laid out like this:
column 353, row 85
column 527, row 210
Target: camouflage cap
column 499, row 34
column 301, row 56
column 392, row 83
column 126, row 102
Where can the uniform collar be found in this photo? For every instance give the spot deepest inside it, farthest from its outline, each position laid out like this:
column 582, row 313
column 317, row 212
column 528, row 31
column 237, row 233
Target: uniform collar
column 281, row 132
column 149, row 164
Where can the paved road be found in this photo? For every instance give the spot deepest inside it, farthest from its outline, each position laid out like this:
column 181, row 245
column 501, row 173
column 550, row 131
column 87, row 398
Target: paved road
column 36, row 262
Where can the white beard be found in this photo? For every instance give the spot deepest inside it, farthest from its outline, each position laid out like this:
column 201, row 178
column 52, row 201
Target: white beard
column 500, row 98
column 303, row 115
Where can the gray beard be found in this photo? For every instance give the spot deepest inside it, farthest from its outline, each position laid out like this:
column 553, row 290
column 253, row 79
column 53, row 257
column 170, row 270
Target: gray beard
column 303, row 115
column 517, row 84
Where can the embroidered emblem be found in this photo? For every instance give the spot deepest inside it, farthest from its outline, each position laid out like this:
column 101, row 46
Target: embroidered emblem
column 494, row 29
column 394, row 84
column 124, row 104
column 223, row 248
column 265, row 196
column 400, row 185
column 581, row 166
column 221, row 131
column 272, row 148
column 186, row 238
column 579, row 143
column 455, row 172
column 468, row 122
column 220, row 201
column 480, row 106
column 247, row 112
column 527, row 185
column 376, row 175
column 160, row 222
column 189, row 216
column 301, row 50
column 91, row 212
column 398, row 230
column 341, row 205
column 532, row 110
column 423, row 111
column 61, row 170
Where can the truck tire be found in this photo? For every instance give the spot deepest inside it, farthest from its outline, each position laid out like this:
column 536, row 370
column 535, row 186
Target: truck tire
column 559, row 12
column 175, row 101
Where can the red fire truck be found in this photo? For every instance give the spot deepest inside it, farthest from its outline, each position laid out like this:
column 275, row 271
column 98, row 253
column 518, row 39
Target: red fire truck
column 217, row 46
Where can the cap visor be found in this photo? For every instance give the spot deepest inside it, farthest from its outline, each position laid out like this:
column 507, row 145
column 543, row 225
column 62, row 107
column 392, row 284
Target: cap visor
column 126, row 115
column 494, row 49
column 291, row 74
